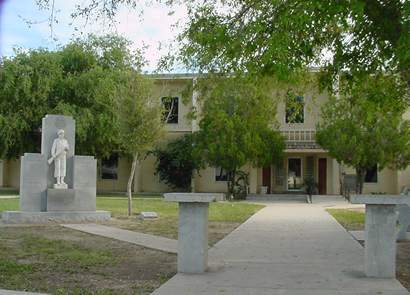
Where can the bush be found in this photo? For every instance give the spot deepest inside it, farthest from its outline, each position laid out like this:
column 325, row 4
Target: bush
column 177, row 162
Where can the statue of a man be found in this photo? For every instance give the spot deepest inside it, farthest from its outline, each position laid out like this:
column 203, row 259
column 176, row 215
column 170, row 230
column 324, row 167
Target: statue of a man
column 58, row 155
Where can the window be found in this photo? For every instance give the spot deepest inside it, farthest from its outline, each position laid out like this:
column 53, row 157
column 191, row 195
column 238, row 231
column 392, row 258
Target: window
column 171, row 109
column 295, row 110
column 109, row 167
column 371, row 175
column 221, row 174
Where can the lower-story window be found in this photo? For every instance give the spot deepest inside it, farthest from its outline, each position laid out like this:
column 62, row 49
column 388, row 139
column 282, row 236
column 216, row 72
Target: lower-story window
column 371, row 175
column 109, row 167
column 221, row 174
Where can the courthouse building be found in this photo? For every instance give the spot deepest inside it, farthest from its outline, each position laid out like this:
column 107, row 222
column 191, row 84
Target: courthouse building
column 303, row 156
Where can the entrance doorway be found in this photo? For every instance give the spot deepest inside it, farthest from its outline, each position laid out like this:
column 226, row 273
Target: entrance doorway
column 322, row 176
column 295, row 181
column 266, row 178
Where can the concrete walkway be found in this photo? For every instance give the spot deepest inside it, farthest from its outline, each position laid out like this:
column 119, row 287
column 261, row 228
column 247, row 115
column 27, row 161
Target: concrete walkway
column 145, row 240
column 286, row 249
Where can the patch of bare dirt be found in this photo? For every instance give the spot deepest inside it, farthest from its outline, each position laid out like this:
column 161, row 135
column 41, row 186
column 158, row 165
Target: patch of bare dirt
column 133, row 270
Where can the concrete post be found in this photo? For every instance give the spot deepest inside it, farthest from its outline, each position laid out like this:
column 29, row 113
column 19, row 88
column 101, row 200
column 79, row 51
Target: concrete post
column 404, row 222
column 380, row 233
column 192, row 230
column 193, row 237
column 380, row 241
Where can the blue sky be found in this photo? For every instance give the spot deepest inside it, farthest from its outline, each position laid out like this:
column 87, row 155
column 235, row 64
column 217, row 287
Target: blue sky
column 153, row 27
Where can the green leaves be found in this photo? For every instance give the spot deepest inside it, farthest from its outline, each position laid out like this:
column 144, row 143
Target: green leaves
column 177, row 162
column 365, row 126
column 236, row 119
column 139, row 115
column 279, row 37
column 80, row 79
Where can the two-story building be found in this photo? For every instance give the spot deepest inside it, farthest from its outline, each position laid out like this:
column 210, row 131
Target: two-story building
column 303, row 156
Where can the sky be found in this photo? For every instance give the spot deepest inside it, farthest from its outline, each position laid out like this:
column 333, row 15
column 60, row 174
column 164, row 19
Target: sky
column 24, row 25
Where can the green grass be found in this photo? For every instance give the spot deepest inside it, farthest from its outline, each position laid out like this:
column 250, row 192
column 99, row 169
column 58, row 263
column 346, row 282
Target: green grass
column 9, row 204
column 23, row 261
column 349, row 219
column 222, row 211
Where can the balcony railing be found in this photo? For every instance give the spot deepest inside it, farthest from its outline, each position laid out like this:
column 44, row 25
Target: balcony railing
column 299, row 135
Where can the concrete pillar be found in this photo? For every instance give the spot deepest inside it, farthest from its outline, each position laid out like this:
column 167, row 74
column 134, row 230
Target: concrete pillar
column 193, row 229
column 193, row 237
column 404, row 222
column 380, row 232
column 380, row 241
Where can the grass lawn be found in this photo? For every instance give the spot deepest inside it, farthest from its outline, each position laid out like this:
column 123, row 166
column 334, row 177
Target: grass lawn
column 57, row 260
column 352, row 219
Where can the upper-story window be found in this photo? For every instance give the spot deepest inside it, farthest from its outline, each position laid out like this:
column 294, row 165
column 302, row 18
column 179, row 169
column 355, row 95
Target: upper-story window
column 170, row 104
column 295, row 110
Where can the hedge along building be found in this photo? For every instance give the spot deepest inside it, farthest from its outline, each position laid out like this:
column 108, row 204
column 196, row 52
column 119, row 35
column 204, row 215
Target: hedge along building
column 303, row 157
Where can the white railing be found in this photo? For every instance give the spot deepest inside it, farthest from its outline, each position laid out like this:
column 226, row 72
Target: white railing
column 299, row 135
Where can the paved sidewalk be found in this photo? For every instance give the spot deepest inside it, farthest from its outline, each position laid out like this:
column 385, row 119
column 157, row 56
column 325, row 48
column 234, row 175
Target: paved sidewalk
column 286, row 249
column 145, row 240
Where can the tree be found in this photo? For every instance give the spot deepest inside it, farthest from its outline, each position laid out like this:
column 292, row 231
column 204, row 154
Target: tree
column 79, row 79
column 140, row 121
column 236, row 125
column 278, row 37
column 365, row 126
column 177, row 162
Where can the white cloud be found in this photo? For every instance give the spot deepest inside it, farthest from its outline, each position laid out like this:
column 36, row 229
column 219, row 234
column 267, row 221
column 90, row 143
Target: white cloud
column 153, row 27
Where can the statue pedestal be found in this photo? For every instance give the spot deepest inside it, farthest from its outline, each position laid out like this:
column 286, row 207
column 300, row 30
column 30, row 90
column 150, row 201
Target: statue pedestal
column 61, row 186
column 60, row 200
column 17, row 217
column 41, row 200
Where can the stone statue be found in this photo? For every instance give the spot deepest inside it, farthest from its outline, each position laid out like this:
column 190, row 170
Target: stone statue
column 58, row 155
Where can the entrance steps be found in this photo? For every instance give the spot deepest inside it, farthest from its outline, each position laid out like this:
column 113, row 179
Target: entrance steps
column 302, row 198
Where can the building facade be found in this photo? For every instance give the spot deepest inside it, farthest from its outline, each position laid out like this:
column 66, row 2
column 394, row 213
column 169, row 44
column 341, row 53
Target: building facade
column 303, row 156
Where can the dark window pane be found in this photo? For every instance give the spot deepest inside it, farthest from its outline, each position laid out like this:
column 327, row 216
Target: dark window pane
column 171, row 109
column 295, row 110
column 371, row 175
column 221, row 174
column 109, row 167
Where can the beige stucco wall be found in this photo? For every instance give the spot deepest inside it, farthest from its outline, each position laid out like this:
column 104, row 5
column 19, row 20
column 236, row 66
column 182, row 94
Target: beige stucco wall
column 403, row 178
column 115, row 185
column 387, row 182
column 178, row 88
column 1, row 173
column 313, row 102
column 11, row 173
column 205, row 181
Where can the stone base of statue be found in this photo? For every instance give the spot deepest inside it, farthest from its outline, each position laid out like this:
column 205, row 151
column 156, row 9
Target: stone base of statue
column 41, row 200
column 60, row 186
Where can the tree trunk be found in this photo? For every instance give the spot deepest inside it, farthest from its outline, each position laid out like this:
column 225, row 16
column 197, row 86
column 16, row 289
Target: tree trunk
column 231, row 184
column 129, row 185
column 360, row 173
